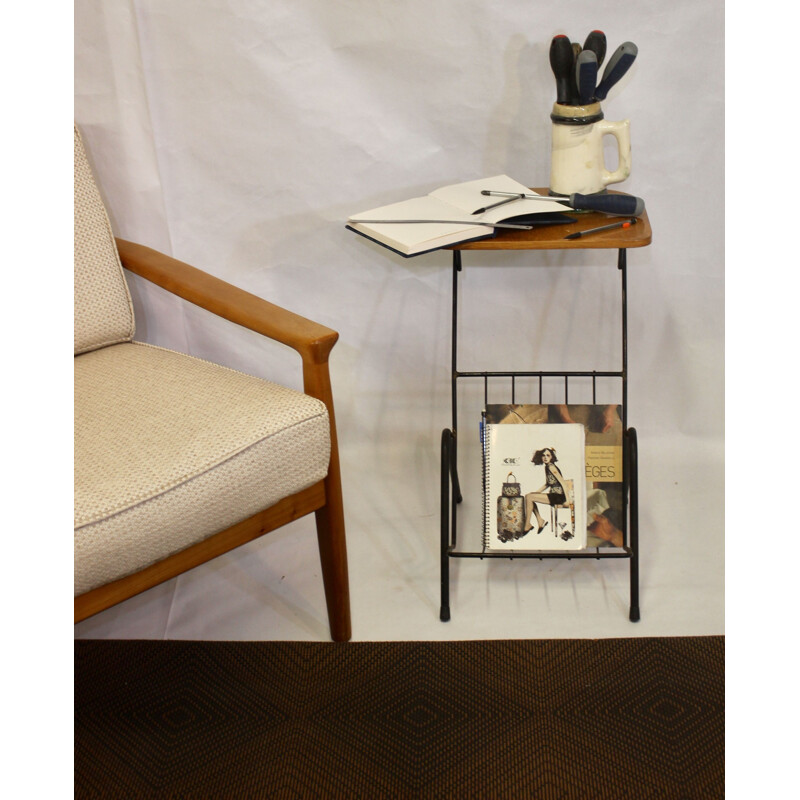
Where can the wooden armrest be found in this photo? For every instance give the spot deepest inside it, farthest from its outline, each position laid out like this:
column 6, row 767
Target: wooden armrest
column 312, row 340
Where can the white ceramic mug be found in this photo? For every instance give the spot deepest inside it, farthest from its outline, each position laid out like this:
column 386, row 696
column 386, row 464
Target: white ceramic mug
column 577, row 161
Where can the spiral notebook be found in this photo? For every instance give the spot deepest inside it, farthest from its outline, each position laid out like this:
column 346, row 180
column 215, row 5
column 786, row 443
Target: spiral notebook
column 534, row 486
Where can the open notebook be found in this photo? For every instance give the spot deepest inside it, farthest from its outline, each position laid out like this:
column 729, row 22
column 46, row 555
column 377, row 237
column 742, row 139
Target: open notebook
column 407, row 231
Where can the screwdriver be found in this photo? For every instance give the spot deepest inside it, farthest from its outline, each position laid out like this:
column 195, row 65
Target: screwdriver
column 562, row 61
column 586, row 75
column 596, row 41
column 623, row 205
column 617, row 66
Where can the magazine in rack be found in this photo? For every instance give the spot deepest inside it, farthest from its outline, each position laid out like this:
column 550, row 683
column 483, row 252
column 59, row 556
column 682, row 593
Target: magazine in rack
column 534, row 486
column 603, row 453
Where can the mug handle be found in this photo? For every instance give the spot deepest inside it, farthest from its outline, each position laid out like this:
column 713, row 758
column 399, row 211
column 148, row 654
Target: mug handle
column 621, row 131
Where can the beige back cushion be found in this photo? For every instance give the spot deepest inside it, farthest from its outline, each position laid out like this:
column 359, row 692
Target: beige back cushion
column 103, row 309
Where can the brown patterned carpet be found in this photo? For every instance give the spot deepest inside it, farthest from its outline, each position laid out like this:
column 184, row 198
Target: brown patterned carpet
column 612, row 718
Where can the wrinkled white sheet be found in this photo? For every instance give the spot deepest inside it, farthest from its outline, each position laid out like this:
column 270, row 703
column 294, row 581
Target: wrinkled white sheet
column 239, row 135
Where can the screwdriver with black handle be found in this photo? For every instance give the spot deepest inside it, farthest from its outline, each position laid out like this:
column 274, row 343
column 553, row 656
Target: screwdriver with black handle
column 596, row 42
column 562, row 62
column 623, row 205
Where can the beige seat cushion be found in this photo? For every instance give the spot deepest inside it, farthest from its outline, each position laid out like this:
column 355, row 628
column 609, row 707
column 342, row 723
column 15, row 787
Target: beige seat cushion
column 170, row 449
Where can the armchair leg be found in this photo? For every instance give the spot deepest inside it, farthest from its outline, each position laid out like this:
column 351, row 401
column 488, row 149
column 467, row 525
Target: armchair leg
column 333, row 558
column 330, row 518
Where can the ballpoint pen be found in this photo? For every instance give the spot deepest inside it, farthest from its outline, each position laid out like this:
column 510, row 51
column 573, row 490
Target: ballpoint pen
column 623, row 224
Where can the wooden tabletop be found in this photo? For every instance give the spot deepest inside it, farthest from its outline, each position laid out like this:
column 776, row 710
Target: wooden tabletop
column 551, row 237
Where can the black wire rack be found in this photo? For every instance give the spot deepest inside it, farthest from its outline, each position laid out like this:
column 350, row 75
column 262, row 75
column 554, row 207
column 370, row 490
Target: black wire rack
column 450, row 486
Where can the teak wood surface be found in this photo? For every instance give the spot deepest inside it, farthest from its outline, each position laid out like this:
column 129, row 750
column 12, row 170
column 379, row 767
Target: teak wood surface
column 551, row 237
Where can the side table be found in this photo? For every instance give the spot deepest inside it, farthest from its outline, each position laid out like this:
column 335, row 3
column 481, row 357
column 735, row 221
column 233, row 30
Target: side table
column 547, row 238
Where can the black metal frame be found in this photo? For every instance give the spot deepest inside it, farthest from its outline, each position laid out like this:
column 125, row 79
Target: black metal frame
column 451, row 491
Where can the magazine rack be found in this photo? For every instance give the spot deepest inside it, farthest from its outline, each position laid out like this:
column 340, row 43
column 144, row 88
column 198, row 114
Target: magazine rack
column 547, row 238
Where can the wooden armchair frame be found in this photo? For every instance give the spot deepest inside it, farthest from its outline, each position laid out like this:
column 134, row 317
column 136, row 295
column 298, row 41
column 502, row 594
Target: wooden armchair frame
column 314, row 343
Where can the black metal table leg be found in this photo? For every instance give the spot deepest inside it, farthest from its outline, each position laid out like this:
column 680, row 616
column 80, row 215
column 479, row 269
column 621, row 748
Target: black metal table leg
column 454, row 375
column 633, row 483
column 444, row 608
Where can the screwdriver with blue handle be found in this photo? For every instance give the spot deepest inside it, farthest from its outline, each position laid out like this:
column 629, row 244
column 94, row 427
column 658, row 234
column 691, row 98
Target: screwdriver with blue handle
column 623, row 205
column 586, row 75
column 617, row 66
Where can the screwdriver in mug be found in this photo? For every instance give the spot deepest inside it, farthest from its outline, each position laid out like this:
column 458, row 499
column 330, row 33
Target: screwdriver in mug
column 596, row 41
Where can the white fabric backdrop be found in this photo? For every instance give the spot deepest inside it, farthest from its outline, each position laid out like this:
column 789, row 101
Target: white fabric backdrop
column 238, row 135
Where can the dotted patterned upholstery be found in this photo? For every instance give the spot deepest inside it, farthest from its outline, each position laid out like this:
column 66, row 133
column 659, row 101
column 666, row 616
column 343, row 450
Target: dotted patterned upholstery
column 169, row 449
column 103, row 310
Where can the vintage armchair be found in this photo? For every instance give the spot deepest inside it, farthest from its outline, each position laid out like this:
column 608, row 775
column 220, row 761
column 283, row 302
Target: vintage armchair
column 178, row 460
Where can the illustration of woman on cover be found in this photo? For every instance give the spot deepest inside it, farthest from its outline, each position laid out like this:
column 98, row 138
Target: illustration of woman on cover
column 554, row 491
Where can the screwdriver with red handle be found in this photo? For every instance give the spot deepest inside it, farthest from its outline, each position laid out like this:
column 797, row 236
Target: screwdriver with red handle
column 623, row 205
column 596, row 42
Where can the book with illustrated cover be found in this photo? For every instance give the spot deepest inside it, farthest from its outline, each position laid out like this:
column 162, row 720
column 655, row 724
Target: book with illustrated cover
column 534, row 487
column 604, row 477
column 448, row 216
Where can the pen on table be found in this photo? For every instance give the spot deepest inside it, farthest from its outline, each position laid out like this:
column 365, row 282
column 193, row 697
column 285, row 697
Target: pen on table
column 440, row 222
column 624, row 224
